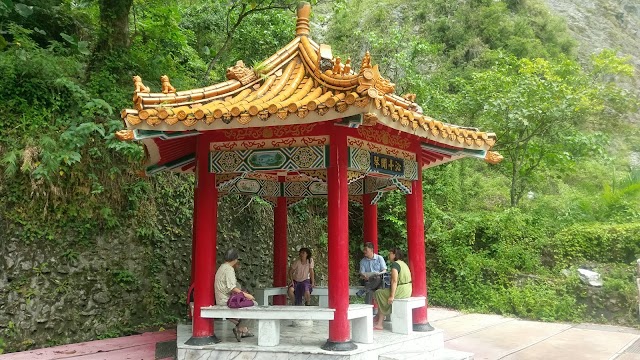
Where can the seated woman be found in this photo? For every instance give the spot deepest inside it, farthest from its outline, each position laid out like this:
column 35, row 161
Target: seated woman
column 225, row 284
column 302, row 278
column 400, row 287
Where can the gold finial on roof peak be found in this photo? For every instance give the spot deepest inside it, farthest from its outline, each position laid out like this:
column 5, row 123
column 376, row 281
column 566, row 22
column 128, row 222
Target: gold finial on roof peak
column 302, row 24
column 366, row 61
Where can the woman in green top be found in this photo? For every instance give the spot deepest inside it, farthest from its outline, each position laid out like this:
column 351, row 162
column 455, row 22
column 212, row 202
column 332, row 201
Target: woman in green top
column 400, row 287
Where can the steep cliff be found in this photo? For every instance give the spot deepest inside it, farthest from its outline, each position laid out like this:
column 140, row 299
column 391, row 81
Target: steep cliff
column 604, row 24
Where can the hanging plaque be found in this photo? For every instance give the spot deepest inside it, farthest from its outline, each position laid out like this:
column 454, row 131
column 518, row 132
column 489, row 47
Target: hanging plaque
column 386, row 164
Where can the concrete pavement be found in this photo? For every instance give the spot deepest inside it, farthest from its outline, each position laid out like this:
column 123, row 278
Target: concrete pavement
column 492, row 337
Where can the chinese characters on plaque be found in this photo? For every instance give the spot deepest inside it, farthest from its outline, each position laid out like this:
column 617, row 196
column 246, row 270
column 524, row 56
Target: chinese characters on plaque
column 386, row 164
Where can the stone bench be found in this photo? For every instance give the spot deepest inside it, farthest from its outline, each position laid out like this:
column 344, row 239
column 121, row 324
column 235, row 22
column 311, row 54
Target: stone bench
column 402, row 313
column 361, row 316
column 268, row 319
column 262, row 295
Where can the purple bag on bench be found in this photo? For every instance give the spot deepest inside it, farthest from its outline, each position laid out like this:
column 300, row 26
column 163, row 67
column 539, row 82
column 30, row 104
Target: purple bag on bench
column 238, row 300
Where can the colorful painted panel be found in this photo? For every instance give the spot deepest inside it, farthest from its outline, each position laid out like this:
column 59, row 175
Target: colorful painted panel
column 305, row 189
column 253, row 187
column 375, row 184
column 356, row 187
column 381, row 149
column 270, row 143
column 290, row 159
column 266, row 159
column 318, row 189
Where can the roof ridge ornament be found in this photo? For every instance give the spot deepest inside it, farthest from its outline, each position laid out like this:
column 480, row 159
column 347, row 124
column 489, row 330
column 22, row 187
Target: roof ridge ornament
column 302, row 24
column 166, row 85
column 493, row 157
column 139, row 86
column 241, row 73
column 371, row 81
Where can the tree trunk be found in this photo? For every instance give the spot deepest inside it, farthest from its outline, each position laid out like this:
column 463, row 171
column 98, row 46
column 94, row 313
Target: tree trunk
column 514, row 181
column 113, row 35
column 114, row 25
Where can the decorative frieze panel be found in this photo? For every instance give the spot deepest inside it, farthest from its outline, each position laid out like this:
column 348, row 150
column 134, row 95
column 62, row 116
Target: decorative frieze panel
column 356, row 187
column 291, row 159
column 269, row 132
column 375, row 184
column 383, row 137
column 253, row 187
column 380, row 149
column 269, row 143
column 305, row 189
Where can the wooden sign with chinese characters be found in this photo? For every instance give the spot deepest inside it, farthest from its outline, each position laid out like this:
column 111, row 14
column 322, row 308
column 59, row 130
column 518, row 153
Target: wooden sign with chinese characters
column 387, row 164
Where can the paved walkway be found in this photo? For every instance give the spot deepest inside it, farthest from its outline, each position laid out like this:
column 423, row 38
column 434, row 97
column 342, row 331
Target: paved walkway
column 487, row 336
column 498, row 337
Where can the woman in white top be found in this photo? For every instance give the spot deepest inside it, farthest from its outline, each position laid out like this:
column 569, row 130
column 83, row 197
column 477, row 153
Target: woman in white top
column 302, row 278
column 225, row 284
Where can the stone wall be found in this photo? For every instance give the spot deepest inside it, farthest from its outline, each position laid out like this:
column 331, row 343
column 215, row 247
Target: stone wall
column 51, row 293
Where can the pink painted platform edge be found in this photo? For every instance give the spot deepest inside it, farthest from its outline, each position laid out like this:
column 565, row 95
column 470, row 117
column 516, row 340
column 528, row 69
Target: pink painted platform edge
column 138, row 344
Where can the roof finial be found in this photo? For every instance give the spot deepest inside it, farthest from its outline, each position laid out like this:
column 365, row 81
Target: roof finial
column 302, row 25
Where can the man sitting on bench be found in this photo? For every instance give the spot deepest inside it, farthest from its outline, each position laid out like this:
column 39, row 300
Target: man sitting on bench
column 372, row 268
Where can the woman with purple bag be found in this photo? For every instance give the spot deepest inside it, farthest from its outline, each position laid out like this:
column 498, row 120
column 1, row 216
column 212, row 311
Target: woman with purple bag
column 302, row 278
column 226, row 286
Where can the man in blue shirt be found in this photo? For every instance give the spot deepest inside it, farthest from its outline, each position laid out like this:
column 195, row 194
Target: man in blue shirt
column 371, row 266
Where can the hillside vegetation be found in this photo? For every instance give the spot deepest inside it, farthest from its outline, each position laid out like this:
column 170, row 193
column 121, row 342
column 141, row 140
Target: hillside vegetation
column 89, row 246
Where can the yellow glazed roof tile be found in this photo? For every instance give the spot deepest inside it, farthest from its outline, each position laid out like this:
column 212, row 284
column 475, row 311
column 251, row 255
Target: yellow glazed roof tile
column 301, row 78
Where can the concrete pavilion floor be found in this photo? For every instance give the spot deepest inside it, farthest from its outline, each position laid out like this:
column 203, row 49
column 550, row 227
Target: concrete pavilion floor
column 305, row 341
column 486, row 336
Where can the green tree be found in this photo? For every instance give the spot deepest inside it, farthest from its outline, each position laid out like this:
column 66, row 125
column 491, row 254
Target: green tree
column 236, row 13
column 538, row 108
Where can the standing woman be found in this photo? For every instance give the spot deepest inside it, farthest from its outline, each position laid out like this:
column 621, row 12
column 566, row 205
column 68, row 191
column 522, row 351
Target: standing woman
column 302, row 278
column 400, row 287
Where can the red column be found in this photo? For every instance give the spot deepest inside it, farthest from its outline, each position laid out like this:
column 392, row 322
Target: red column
column 193, row 249
column 416, row 250
column 280, row 257
column 206, row 222
column 193, row 237
column 338, row 234
column 370, row 230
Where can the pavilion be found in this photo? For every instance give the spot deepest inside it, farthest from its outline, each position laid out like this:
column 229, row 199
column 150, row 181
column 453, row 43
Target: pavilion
column 302, row 124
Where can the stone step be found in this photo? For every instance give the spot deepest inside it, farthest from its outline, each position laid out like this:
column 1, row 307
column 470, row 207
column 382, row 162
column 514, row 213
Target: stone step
column 439, row 354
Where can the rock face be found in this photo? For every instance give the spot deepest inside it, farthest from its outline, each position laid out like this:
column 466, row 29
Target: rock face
column 55, row 292
column 604, row 24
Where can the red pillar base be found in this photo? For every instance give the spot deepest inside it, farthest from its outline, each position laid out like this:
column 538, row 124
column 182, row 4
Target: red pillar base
column 202, row 341
column 339, row 346
column 423, row 327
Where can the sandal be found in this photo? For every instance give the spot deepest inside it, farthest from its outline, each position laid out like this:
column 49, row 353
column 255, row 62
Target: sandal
column 247, row 334
column 237, row 334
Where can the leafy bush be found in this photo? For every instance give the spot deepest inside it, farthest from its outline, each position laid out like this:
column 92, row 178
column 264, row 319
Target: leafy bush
column 602, row 243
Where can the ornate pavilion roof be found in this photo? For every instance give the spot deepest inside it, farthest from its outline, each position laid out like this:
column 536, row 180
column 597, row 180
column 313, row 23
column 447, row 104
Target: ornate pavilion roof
column 302, row 83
